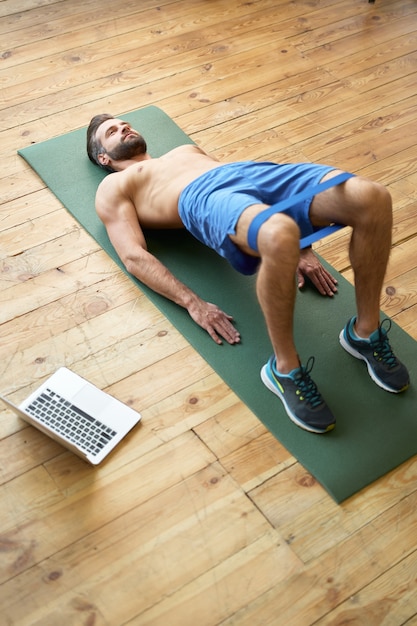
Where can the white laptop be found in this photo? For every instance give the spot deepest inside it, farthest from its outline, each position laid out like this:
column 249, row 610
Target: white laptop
column 83, row 418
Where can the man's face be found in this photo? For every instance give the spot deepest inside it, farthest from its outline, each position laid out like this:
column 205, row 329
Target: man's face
column 119, row 140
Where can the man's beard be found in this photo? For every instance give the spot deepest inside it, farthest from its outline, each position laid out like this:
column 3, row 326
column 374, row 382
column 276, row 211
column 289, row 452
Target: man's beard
column 128, row 149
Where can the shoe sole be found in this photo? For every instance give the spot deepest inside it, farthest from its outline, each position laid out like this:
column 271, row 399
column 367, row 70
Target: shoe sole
column 270, row 385
column 351, row 350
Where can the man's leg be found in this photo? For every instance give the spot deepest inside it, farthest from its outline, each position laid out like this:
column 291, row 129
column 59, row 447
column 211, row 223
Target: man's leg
column 275, row 286
column 278, row 245
column 279, row 249
column 359, row 203
column 366, row 207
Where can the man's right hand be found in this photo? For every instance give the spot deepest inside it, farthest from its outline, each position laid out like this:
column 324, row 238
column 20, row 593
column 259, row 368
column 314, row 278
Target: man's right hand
column 216, row 322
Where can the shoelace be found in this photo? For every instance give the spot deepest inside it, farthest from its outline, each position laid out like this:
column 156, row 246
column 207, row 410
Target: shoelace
column 381, row 346
column 306, row 385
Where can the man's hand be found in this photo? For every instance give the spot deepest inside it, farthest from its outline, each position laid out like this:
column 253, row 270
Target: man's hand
column 310, row 267
column 214, row 321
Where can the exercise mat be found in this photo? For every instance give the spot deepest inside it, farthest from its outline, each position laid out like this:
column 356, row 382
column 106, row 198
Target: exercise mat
column 375, row 431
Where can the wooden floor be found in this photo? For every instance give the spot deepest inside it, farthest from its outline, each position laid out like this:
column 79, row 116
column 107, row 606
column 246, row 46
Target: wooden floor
column 201, row 517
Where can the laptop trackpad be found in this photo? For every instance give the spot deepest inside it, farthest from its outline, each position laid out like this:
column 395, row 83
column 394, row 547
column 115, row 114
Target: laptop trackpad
column 91, row 400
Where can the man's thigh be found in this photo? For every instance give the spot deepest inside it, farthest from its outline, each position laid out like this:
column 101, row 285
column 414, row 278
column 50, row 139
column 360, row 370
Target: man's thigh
column 338, row 204
column 335, row 205
column 240, row 238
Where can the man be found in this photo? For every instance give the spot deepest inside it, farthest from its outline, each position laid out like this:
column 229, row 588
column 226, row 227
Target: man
column 226, row 207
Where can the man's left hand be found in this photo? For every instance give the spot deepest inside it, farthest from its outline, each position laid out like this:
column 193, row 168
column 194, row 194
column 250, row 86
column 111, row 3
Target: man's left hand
column 310, row 267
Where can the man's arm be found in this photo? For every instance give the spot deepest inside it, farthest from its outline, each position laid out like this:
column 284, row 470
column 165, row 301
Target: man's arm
column 126, row 235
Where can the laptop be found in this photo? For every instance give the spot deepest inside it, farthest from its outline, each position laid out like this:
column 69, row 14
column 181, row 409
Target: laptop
column 83, row 418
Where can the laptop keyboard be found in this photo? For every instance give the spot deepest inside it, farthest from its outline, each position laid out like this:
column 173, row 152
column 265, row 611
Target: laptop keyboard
column 64, row 418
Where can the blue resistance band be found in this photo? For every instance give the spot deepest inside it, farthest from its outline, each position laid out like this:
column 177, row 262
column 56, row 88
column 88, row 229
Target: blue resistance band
column 288, row 202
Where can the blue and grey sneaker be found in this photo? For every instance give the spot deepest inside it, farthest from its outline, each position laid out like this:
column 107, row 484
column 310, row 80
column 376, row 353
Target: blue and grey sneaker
column 301, row 399
column 383, row 366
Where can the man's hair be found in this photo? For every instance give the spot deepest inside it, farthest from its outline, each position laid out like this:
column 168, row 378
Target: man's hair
column 94, row 147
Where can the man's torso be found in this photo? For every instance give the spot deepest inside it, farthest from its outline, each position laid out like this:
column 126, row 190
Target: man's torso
column 154, row 186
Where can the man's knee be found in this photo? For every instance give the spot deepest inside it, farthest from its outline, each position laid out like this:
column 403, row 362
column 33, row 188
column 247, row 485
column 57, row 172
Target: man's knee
column 372, row 199
column 279, row 234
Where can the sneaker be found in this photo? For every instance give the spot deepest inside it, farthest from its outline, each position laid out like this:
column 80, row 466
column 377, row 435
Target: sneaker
column 300, row 396
column 383, row 366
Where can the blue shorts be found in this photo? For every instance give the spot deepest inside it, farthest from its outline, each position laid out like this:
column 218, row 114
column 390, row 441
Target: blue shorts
column 211, row 205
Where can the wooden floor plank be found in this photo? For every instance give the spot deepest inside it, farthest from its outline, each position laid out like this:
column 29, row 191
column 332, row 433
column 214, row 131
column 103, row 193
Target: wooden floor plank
column 390, row 599
column 218, row 592
column 202, row 507
column 333, row 579
column 337, row 521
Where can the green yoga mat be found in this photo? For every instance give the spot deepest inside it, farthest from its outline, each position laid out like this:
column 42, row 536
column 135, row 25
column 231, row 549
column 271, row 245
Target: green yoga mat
column 375, row 432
